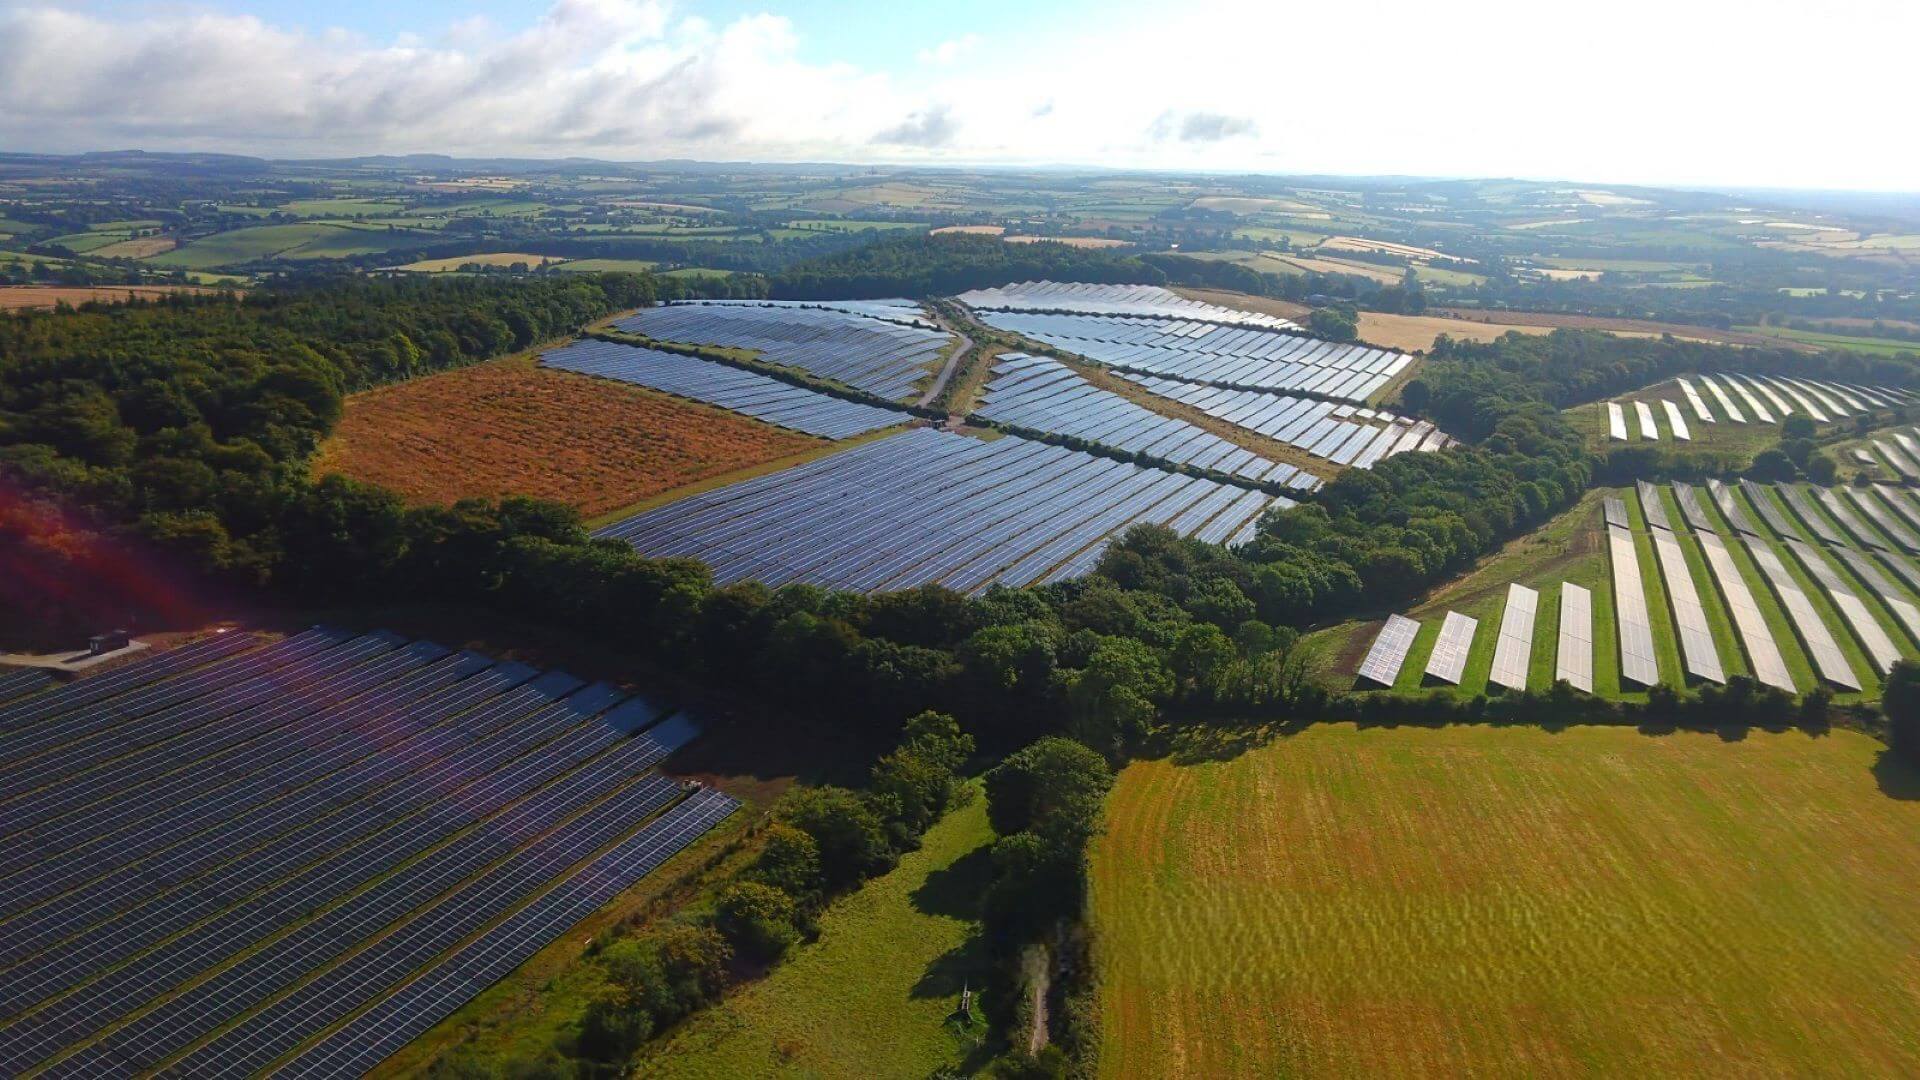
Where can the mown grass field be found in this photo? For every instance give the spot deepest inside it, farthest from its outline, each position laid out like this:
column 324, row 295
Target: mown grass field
column 1513, row 902
column 875, row 995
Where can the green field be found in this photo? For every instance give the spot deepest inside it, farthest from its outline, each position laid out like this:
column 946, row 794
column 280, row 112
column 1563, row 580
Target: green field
column 340, row 207
column 593, row 266
column 306, row 240
column 873, row 996
column 1873, row 345
column 1515, row 902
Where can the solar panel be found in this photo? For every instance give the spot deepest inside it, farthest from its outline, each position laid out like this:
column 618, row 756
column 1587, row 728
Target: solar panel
column 1697, row 651
column 1828, row 660
column 1675, row 421
column 1902, row 506
column 1573, row 657
column 1650, row 506
column 1449, row 659
column 1700, row 410
column 1866, row 629
column 1389, row 651
column 1690, row 507
column 1763, row 654
column 1616, row 422
column 1726, row 403
column 1638, row 662
column 1797, row 499
column 1647, row 429
column 1514, row 646
column 1614, row 510
column 1870, row 506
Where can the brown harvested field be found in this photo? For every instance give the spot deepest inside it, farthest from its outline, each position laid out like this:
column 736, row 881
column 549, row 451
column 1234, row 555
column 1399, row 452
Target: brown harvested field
column 140, row 247
column 509, row 427
column 1630, row 327
column 1071, row 241
column 29, row 297
column 1385, row 275
column 1356, row 243
column 970, row 230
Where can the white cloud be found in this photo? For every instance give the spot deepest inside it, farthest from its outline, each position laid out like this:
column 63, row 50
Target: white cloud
column 1646, row 90
column 949, row 51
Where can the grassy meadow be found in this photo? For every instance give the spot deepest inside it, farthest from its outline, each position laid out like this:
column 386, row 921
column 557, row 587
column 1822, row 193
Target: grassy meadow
column 1514, row 902
column 875, row 995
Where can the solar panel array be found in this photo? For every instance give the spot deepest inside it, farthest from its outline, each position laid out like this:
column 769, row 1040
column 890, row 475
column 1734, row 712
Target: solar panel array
column 1573, row 659
column 1637, row 660
column 1769, row 510
column 1898, row 458
column 880, row 356
column 1797, row 500
column 1871, row 507
column 1343, row 434
column 745, row 392
column 1389, row 652
column 1901, row 503
column 930, row 507
column 1828, row 660
column 1514, row 647
column 1700, row 410
column 1042, row 394
column 1647, row 428
column 215, row 854
column 1867, row 630
column 1727, row 406
column 1763, row 654
column 1879, row 585
column 1137, row 301
column 1729, row 509
column 1448, row 660
column 1650, row 506
column 24, row 681
column 1248, row 358
column 897, row 309
column 1616, row 422
column 1614, row 510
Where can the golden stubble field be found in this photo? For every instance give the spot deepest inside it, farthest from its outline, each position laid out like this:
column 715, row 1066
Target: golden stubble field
column 1515, row 902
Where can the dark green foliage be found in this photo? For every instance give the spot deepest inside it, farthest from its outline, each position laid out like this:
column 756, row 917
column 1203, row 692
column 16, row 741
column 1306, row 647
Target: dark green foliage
column 789, row 861
column 849, row 834
column 756, row 919
column 1056, row 783
column 1338, row 323
column 951, row 263
column 1771, row 465
column 1900, row 700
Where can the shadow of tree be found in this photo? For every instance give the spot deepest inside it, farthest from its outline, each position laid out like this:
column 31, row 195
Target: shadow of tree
column 964, row 965
column 1896, row 778
column 954, row 890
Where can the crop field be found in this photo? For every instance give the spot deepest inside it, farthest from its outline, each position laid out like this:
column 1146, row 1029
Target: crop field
column 1856, row 343
column 29, row 297
column 606, row 266
column 510, row 428
column 492, row 258
column 243, row 852
column 875, row 995
column 139, row 247
column 1512, row 901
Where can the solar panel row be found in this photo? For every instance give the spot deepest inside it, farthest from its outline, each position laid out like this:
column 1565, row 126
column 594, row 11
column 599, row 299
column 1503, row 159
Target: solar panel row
column 1647, row 428
column 880, row 356
column 20, row 683
column 1881, row 587
column 1614, row 510
column 1342, row 434
column 1730, row 508
column 1573, row 657
column 1697, row 650
column 927, row 506
column 1675, row 421
column 1136, row 301
column 1727, row 406
column 1872, row 637
column 1514, row 647
column 1769, row 510
column 1828, row 660
column 1816, row 524
column 1229, row 356
column 1650, row 506
column 1042, row 394
column 1638, row 662
column 1902, row 505
column 1700, row 410
column 1763, row 654
column 1448, row 661
column 384, row 802
column 1389, row 651
column 745, row 392
column 1616, row 422
column 1690, row 507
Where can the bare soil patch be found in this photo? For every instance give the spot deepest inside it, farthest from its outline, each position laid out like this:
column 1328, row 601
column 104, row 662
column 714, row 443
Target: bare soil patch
column 33, row 297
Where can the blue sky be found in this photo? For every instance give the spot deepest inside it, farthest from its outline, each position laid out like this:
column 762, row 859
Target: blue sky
column 1769, row 93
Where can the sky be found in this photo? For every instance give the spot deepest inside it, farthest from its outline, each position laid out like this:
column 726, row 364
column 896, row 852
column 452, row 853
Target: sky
column 1764, row 93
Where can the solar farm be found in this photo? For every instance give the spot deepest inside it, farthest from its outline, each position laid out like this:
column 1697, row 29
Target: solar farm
column 243, row 856
column 1791, row 585
column 1748, row 399
column 931, row 507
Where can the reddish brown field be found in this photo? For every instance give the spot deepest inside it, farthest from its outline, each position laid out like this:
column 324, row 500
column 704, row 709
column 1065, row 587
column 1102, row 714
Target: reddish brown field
column 26, row 297
column 510, row 428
